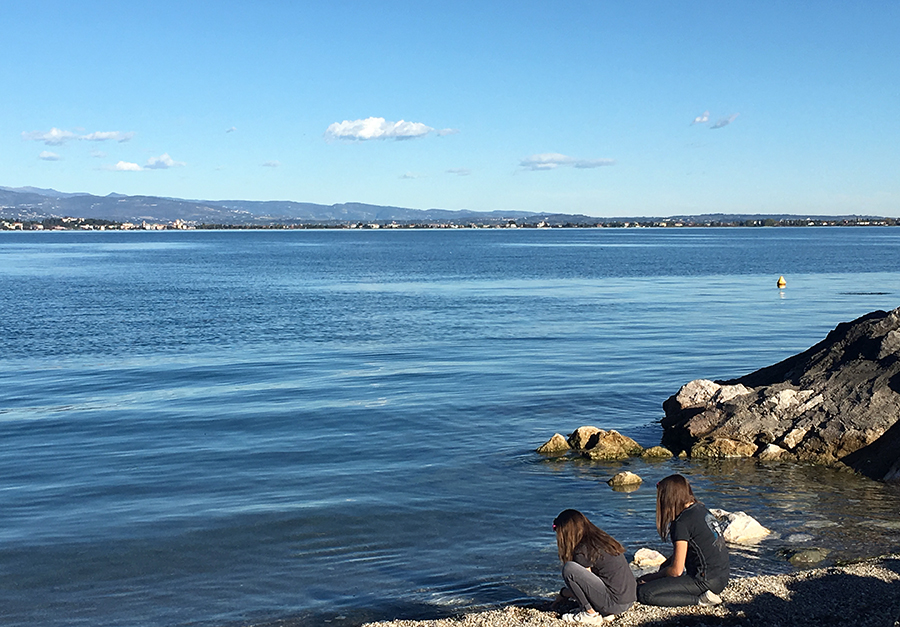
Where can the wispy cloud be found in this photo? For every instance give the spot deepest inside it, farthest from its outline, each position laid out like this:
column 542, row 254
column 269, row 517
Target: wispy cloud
column 723, row 122
column 231, row 130
column 46, row 155
column 447, row 131
column 53, row 137
column 377, row 128
column 412, row 175
column 102, row 136
column 125, row 166
column 701, row 119
column 58, row 137
column 163, row 162
column 553, row 160
column 459, row 171
column 586, row 164
column 271, row 164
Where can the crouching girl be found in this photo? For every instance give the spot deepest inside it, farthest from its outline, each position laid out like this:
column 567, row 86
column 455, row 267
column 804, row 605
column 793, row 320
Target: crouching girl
column 595, row 570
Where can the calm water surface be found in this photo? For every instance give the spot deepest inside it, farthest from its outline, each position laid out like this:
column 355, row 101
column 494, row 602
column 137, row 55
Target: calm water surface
column 208, row 428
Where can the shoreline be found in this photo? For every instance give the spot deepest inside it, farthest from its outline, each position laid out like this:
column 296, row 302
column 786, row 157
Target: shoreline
column 866, row 593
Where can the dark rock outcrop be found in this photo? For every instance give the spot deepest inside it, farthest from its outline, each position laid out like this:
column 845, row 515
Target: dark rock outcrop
column 836, row 403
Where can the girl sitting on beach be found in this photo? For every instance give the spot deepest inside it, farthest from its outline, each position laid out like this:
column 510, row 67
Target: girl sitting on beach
column 698, row 569
column 595, row 570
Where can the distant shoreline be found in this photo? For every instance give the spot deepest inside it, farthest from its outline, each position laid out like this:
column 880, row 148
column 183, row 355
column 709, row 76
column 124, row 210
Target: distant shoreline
column 98, row 224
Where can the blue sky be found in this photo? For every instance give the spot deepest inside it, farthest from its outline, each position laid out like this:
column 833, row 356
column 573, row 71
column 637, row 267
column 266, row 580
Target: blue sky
column 602, row 108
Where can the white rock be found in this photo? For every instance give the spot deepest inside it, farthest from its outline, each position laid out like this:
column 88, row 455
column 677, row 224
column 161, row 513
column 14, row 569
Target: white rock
column 728, row 392
column 645, row 558
column 696, row 393
column 742, row 528
column 772, row 451
column 625, row 478
column 794, row 436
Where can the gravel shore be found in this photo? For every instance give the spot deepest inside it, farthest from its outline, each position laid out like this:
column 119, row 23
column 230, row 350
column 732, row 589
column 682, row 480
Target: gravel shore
column 863, row 594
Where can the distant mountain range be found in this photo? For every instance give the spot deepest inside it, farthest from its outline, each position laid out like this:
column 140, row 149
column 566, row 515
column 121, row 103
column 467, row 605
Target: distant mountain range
column 35, row 204
column 30, row 203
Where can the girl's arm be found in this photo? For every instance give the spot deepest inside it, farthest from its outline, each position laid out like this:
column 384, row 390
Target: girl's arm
column 676, row 564
column 672, row 567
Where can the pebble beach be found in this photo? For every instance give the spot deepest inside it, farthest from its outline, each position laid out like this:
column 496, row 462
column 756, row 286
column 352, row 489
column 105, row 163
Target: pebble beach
column 864, row 594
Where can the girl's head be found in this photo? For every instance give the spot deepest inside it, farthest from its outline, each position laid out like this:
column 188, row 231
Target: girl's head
column 573, row 528
column 673, row 496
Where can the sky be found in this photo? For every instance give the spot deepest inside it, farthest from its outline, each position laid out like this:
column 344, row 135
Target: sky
column 625, row 108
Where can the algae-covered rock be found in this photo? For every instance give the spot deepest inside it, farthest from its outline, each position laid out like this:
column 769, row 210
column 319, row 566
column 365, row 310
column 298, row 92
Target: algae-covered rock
column 612, row 445
column 657, row 452
column 722, row 447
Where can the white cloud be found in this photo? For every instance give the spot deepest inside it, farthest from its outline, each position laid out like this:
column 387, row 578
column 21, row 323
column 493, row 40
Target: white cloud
column 447, row 131
column 412, row 175
column 102, row 136
column 125, row 166
column 724, row 121
column 163, row 162
column 271, row 164
column 98, row 154
column 57, row 137
column 46, row 155
column 701, row 119
column 459, row 171
column 53, row 137
column 376, row 128
column 553, row 160
column 231, row 130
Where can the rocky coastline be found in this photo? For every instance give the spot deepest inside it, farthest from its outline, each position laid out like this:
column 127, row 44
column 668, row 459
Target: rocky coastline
column 837, row 403
column 865, row 594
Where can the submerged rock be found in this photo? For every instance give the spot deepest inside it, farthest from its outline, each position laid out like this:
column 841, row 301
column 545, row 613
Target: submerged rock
column 554, row 446
column 807, row 557
column 625, row 478
column 836, row 403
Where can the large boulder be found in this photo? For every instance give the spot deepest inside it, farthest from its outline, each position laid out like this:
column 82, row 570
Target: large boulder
column 611, row 445
column 740, row 528
column 836, row 403
column 583, row 437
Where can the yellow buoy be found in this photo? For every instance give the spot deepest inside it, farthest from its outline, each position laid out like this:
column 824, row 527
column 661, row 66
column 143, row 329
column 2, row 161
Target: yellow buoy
column 781, row 282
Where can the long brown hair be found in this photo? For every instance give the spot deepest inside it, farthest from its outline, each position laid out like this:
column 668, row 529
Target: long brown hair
column 673, row 495
column 573, row 528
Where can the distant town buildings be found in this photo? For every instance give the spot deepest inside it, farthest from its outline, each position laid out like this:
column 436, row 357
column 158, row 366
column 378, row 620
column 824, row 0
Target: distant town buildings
column 91, row 224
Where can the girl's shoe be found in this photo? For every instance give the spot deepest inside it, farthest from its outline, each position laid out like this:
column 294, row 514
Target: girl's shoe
column 710, row 598
column 586, row 619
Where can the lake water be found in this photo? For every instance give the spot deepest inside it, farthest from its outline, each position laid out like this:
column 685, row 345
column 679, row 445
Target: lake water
column 311, row 427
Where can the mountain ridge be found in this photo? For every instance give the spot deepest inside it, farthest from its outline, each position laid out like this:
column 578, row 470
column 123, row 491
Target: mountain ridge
column 35, row 204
